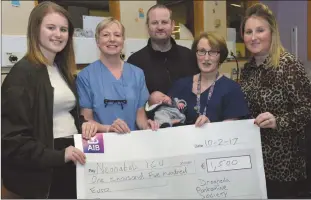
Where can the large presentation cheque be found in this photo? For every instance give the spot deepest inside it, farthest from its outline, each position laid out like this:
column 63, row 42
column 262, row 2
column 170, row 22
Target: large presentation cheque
column 217, row 161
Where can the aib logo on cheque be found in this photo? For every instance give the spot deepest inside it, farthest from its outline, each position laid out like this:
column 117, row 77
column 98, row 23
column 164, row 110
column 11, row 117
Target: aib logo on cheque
column 94, row 145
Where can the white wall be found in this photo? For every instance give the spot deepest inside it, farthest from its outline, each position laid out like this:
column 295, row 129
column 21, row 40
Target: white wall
column 210, row 16
column 129, row 12
column 14, row 20
column 135, row 27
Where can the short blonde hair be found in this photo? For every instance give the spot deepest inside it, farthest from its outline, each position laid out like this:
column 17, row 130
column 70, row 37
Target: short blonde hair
column 106, row 22
column 264, row 12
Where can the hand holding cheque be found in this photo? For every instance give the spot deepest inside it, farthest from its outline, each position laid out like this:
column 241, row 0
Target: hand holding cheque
column 219, row 160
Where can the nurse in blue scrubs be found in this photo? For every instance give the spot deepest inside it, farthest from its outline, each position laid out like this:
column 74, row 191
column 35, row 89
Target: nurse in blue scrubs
column 113, row 92
column 210, row 96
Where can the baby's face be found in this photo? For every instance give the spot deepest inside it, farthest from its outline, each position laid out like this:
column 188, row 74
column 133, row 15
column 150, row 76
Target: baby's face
column 159, row 97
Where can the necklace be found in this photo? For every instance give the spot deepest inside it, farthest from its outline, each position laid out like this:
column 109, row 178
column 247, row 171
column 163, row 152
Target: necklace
column 210, row 93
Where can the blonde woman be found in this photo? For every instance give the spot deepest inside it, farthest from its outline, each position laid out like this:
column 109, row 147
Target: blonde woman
column 279, row 96
column 113, row 92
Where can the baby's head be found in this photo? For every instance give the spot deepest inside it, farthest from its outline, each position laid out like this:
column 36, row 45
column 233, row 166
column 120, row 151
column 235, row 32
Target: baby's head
column 157, row 97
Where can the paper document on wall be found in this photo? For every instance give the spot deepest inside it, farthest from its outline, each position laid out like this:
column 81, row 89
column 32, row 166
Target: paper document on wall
column 218, row 161
column 90, row 23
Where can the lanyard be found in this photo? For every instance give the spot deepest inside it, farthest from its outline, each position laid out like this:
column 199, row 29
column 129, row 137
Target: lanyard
column 210, row 93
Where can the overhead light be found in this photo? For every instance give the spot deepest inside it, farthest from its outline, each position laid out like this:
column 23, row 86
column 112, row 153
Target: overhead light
column 236, row 5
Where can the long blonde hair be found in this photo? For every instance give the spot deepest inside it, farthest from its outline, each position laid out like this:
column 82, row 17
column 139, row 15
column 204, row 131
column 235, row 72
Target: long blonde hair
column 264, row 12
column 64, row 59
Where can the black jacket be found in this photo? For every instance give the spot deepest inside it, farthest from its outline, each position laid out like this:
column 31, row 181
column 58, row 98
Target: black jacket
column 27, row 139
column 163, row 68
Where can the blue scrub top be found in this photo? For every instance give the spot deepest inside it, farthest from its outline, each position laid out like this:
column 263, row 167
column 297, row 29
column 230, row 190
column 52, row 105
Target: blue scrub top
column 95, row 83
column 227, row 101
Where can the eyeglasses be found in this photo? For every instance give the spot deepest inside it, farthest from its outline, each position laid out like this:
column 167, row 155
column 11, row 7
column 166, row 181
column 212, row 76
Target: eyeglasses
column 211, row 52
column 120, row 102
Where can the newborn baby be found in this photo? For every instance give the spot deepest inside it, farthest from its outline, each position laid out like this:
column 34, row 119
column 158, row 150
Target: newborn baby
column 166, row 111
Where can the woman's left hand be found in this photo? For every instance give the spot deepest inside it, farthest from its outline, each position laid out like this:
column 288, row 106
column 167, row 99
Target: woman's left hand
column 266, row 120
column 89, row 129
column 202, row 119
column 154, row 125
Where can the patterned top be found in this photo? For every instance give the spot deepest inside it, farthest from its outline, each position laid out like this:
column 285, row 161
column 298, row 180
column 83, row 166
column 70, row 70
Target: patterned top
column 285, row 92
